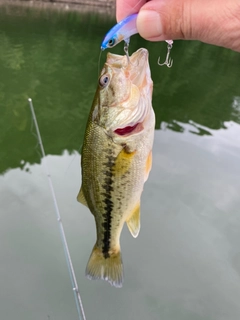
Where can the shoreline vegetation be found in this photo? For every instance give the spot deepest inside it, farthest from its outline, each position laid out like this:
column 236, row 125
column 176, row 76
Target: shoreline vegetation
column 101, row 6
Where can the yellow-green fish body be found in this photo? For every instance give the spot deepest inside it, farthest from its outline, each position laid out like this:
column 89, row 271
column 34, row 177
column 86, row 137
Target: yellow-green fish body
column 116, row 158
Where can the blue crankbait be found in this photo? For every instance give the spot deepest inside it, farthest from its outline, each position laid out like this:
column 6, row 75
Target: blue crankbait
column 123, row 30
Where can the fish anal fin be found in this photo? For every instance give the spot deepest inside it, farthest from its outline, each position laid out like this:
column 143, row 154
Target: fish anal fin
column 81, row 198
column 109, row 269
column 148, row 166
column 133, row 221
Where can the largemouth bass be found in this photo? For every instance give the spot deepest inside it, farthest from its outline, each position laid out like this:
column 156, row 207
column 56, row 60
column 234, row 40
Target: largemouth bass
column 117, row 158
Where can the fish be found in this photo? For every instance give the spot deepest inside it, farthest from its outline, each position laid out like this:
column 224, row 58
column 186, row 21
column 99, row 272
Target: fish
column 117, row 158
column 122, row 31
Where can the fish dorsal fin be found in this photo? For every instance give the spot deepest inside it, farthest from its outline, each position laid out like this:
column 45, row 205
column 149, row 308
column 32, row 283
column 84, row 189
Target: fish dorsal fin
column 81, row 198
column 133, row 221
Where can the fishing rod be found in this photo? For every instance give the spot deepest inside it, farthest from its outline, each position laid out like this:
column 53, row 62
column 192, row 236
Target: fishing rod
column 77, row 296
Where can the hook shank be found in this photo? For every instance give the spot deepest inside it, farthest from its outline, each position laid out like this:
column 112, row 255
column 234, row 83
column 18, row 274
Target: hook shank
column 168, row 61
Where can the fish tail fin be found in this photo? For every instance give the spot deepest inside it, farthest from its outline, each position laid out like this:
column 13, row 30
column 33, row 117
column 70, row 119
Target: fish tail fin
column 109, row 268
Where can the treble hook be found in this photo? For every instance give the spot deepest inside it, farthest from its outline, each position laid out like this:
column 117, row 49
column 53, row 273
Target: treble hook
column 168, row 61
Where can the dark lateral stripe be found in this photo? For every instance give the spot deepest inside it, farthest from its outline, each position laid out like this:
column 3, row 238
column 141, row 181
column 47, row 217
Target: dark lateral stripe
column 108, row 187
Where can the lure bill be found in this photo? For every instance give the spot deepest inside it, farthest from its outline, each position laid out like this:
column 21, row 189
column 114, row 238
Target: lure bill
column 116, row 158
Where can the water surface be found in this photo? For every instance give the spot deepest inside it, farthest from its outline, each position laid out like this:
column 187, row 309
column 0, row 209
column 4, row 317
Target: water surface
column 185, row 264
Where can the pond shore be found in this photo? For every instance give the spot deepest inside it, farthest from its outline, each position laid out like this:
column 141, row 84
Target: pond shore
column 101, row 6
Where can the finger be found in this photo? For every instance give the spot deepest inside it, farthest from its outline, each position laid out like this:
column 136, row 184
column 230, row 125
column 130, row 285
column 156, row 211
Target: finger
column 126, row 7
column 212, row 21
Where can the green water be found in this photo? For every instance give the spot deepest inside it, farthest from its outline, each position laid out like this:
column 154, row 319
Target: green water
column 185, row 264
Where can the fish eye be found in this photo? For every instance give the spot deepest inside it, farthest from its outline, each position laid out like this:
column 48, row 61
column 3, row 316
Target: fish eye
column 103, row 81
column 111, row 42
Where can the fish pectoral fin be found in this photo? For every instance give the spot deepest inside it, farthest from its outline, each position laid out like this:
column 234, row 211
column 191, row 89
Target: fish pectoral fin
column 133, row 222
column 123, row 162
column 109, row 269
column 81, row 198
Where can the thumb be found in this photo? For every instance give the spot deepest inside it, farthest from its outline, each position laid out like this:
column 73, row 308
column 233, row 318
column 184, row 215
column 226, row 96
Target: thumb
column 211, row 21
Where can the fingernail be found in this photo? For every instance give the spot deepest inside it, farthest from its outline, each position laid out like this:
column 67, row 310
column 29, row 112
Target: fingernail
column 149, row 24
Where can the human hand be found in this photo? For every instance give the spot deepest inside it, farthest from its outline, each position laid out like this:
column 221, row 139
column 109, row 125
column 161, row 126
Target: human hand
column 212, row 21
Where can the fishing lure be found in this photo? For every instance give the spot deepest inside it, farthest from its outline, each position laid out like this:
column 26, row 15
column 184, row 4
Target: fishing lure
column 123, row 30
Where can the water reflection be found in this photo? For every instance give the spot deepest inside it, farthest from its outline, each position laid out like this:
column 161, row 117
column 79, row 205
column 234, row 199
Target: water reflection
column 184, row 264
